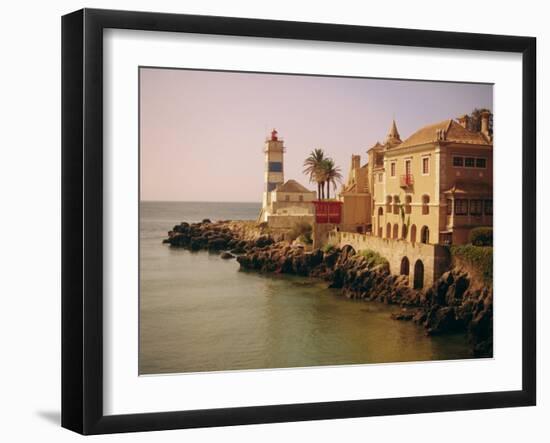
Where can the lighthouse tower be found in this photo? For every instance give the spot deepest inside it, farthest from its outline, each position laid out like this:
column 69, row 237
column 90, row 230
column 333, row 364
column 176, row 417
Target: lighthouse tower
column 274, row 169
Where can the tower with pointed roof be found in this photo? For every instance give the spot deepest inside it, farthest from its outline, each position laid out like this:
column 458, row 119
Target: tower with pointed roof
column 393, row 139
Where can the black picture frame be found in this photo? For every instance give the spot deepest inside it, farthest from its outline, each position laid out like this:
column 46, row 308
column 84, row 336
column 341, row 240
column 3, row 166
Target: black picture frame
column 82, row 220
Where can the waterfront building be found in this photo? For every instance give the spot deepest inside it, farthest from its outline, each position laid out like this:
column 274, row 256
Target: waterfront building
column 284, row 203
column 433, row 187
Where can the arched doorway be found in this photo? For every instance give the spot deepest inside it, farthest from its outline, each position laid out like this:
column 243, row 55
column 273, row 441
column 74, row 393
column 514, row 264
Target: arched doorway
column 404, row 232
column 424, row 235
column 413, row 234
column 388, row 230
column 418, row 275
column 396, row 231
column 379, row 221
column 405, row 265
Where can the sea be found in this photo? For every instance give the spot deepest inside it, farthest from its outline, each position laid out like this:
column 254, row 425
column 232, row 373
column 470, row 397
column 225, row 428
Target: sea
column 199, row 313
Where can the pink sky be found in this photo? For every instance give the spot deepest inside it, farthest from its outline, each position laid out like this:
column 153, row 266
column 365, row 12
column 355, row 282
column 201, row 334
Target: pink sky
column 202, row 132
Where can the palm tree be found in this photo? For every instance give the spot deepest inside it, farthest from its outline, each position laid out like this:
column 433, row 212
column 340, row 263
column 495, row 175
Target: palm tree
column 331, row 174
column 312, row 167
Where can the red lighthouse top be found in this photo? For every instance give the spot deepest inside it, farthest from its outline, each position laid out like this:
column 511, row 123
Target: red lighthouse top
column 274, row 135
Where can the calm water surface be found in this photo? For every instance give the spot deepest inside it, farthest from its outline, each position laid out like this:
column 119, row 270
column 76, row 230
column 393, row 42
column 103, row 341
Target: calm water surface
column 200, row 313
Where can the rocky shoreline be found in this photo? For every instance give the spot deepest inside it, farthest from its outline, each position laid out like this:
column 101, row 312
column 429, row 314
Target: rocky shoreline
column 456, row 302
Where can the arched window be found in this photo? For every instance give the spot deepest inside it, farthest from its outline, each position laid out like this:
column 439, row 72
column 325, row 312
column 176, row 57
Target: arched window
column 395, row 231
column 408, row 201
column 424, row 235
column 388, row 204
column 418, row 275
column 413, row 234
column 405, row 266
column 404, row 232
column 425, row 204
column 396, row 204
column 379, row 221
column 388, row 230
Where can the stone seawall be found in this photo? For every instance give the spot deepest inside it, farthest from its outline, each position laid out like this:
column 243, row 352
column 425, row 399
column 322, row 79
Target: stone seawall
column 422, row 263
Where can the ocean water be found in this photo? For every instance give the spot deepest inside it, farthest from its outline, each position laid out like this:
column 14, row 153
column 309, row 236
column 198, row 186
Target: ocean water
column 201, row 313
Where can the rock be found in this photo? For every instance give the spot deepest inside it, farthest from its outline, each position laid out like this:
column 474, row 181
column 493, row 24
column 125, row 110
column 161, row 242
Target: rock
column 442, row 319
column 226, row 255
column 264, row 240
column 216, row 244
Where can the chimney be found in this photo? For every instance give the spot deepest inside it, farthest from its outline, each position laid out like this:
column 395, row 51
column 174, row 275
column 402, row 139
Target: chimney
column 463, row 120
column 355, row 161
column 485, row 123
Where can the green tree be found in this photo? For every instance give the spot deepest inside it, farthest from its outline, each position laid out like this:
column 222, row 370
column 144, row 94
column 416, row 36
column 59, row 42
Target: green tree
column 331, row 174
column 474, row 120
column 313, row 168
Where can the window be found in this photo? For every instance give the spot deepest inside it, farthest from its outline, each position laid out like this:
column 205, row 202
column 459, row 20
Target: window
column 469, row 162
column 287, row 198
column 301, row 198
column 488, row 207
column 408, row 201
column 449, row 206
column 461, row 207
column 396, row 203
column 458, row 162
column 275, row 166
column 481, row 162
column 380, row 178
column 392, row 169
column 476, row 207
column 425, row 165
column 407, row 167
column 425, row 203
column 388, row 204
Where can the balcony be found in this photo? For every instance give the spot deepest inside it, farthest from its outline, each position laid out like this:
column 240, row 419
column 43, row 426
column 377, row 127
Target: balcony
column 406, row 180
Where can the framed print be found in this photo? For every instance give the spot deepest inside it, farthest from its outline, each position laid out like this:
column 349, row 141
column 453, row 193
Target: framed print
column 269, row 221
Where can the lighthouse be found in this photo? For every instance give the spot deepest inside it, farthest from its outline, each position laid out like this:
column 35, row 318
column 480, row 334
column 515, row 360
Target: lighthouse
column 274, row 167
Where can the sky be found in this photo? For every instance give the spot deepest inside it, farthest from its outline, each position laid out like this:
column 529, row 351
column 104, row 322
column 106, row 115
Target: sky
column 202, row 133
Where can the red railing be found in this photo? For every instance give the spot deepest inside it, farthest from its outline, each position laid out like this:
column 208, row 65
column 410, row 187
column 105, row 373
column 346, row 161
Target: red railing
column 406, row 180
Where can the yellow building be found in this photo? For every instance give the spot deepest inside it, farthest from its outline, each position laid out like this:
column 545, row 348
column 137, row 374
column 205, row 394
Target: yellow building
column 436, row 185
column 356, row 198
column 433, row 187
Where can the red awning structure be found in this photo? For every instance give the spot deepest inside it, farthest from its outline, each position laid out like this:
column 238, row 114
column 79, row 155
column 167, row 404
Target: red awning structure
column 328, row 211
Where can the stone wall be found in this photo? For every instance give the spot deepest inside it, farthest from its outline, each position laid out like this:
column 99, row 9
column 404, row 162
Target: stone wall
column 287, row 221
column 435, row 259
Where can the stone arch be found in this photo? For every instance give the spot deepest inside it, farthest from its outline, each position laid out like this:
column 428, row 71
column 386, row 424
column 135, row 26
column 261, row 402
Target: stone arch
column 418, row 274
column 413, row 234
column 395, row 231
column 425, row 235
column 404, row 232
column 388, row 230
column 405, row 266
